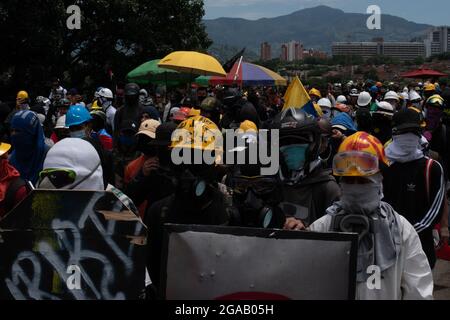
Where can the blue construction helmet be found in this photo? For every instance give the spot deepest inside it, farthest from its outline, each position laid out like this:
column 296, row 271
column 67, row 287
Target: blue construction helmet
column 77, row 115
column 374, row 89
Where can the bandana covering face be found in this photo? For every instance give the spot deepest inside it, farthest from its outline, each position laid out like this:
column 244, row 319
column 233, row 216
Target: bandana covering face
column 382, row 247
column 29, row 145
column 405, row 148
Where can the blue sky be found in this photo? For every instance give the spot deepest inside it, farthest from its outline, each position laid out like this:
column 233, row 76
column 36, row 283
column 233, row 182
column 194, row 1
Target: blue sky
column 434, row 12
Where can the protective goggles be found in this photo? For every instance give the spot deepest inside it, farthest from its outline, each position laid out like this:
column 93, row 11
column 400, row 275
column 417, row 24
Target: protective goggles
column 260, row 185
column 58, row 177
column 355, row 164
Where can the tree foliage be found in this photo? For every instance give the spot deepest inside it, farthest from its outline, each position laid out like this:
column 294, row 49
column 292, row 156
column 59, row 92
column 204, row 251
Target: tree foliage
column 115, row 35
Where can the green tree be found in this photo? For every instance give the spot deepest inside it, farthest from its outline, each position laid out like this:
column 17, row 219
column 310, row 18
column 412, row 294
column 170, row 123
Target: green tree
column 371, row 74
column 419, row 60
column 115, row 35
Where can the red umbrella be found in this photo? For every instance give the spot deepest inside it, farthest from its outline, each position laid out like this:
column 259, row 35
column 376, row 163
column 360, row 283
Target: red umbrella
column 423, row 73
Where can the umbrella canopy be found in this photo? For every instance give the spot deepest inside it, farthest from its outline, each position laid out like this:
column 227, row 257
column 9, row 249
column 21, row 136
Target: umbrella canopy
column 192, row 62
column 423, row 73
column 246, row 74
column 150, row 72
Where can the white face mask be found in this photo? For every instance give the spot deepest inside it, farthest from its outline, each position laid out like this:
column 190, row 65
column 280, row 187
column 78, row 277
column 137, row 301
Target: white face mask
column 361, row 198
column 78, row 134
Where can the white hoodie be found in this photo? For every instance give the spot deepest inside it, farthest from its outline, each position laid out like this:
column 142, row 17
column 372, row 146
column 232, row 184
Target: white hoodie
column 409, row 279
column 80, row 156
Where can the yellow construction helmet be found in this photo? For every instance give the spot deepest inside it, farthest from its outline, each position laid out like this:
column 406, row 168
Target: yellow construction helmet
column 95, row 106
column 315, row 92
column 248, row 125
column 198, row 133
column 22, row 95
column 4, row 148
column 194, row 112
column 429, row 87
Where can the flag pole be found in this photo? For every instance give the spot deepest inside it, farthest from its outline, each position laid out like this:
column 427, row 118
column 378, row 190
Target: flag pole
column 239, row 67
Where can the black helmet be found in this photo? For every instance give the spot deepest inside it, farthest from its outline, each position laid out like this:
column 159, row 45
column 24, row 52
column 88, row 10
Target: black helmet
column 406, row 121
column 299, row 127
column 231, row 96
column 132, row 89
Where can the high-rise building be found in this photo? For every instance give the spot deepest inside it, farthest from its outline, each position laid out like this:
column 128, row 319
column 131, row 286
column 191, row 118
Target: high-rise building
column 284, row 53
column 266, row 51
column 292, row 51
column 404, row 51
column 437, row 41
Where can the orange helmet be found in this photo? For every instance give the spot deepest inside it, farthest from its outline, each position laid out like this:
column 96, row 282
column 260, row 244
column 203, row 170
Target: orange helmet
column 359, row 156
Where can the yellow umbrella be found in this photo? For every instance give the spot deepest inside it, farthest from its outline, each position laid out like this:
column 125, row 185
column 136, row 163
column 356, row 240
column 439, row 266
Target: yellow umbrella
column 192, row 62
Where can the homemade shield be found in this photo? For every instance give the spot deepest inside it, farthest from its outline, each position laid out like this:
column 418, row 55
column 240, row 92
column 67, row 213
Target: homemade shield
column 222, row 263
column 72, row 245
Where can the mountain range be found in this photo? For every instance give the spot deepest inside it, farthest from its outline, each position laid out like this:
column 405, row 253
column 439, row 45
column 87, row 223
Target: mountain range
column 315, row 27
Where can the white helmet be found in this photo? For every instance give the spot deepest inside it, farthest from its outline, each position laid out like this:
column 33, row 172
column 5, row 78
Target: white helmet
column 414, row 96
column 391, row 95
column 364, row 99
column 61, row 123
column 106, row 93
column 341, row 99
column 325, row 103
column 405, row 95
column 385, row 108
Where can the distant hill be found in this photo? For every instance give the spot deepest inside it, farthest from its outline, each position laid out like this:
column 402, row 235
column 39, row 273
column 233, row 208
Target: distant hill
column 315, row 27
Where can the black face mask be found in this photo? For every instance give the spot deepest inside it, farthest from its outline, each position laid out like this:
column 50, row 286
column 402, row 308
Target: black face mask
column 132, row 100
column 257, row 205
column 149, row 151
column 144, row 146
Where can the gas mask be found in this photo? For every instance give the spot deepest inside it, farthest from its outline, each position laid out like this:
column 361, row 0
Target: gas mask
column 192, row 184
column 255, row 201
column 294, row 156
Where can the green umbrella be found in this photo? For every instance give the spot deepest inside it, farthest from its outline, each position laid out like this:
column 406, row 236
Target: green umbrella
column 202, row 81
column 149, row 72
